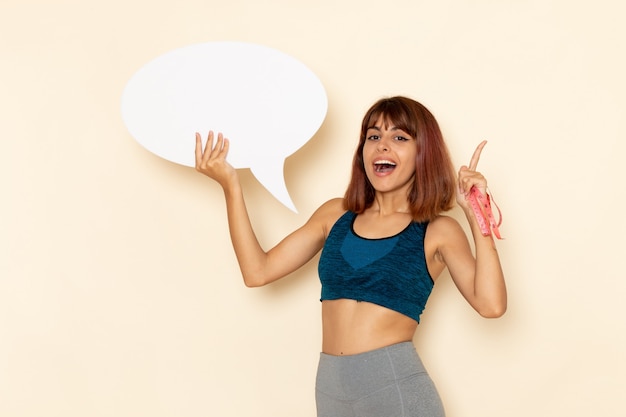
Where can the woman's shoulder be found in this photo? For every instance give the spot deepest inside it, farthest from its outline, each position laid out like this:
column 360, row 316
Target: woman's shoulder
column 333, row 205
column 444, row 227
column 331, row 210
column 443, row 232
column 328, row 213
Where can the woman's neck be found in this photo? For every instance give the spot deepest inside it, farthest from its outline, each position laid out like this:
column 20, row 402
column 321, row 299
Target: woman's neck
column 390, row 203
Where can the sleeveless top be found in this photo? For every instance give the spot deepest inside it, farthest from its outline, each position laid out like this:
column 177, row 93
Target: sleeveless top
column 390, row 271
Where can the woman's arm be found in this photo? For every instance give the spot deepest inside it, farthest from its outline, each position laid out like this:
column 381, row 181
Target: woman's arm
column 258, row 267
column 480, row 279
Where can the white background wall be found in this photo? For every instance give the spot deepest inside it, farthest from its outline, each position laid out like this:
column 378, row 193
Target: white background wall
column 119, row 291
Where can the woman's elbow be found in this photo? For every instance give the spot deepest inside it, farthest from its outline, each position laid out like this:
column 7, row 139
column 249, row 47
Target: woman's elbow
column 251, row 282
column 254, row 280
column 493, row 312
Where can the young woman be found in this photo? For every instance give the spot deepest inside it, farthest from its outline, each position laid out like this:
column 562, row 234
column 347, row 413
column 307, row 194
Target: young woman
column 383, row 246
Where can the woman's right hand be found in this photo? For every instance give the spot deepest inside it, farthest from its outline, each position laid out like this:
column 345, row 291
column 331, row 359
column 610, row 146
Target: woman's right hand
column 211, row 161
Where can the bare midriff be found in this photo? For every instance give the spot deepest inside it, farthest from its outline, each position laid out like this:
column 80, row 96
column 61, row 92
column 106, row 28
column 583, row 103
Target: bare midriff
column 351, row 327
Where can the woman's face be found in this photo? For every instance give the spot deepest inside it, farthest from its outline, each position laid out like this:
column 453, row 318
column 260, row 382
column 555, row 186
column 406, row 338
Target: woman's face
column 389, row 156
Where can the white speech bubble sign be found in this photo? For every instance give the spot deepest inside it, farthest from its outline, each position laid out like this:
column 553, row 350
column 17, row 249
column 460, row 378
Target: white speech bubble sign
column 266, row 102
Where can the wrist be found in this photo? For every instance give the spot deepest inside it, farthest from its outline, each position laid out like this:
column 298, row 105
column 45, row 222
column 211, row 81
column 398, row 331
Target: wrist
column 232, row 187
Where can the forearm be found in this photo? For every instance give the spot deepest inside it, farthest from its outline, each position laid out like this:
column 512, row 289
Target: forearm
column 250, row 255
column 489, row 284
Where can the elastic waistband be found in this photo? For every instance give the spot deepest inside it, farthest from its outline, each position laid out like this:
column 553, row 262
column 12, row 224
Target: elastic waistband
column 352, row 376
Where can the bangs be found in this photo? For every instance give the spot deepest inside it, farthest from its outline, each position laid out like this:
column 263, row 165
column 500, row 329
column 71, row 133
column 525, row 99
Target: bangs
column 394, row 113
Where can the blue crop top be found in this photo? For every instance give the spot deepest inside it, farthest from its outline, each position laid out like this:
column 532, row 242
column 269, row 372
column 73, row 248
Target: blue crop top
column 390, row 272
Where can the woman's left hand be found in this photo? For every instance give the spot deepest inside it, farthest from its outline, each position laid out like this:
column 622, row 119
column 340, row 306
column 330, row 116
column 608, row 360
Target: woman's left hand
column 469, row 177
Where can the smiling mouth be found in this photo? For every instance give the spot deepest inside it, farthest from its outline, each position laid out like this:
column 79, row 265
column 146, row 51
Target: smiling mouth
column 384, row 166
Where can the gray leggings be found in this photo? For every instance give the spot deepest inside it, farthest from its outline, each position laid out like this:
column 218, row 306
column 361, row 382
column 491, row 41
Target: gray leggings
column 387, row 382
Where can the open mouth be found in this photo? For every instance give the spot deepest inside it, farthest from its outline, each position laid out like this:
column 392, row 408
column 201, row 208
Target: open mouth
column 384, row 166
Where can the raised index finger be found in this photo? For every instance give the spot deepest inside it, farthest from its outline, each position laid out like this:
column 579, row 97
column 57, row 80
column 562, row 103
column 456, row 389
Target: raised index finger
column 476, row 156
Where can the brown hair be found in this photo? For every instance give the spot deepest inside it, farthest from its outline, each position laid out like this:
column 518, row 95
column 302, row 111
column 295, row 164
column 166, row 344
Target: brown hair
column 433, row 188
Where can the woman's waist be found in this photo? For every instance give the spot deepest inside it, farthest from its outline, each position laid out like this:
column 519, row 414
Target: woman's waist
column 352, row 327
column 354, row 376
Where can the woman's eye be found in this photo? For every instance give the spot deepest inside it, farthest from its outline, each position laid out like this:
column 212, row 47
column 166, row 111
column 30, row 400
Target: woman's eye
column 401, row 138
column 373, row 137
